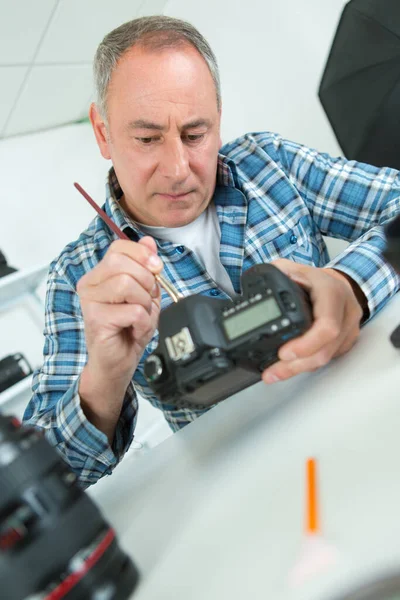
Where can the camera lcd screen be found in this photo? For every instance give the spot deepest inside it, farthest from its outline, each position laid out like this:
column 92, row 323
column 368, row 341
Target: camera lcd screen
column 251, row 318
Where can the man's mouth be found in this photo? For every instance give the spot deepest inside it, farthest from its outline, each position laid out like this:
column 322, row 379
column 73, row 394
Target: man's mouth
column 180, row 196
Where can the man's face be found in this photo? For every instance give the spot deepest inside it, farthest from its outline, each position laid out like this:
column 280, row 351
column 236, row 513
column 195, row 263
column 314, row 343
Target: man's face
column 163, row 134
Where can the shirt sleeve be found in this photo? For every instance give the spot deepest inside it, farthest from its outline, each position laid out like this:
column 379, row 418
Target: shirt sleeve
column 55, row 405
column 351, row 201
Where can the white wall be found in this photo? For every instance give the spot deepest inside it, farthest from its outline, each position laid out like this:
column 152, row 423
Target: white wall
column 271, row 55
column 41, row 211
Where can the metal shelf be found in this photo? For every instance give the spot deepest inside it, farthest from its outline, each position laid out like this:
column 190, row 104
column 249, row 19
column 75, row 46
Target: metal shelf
column 15, row 286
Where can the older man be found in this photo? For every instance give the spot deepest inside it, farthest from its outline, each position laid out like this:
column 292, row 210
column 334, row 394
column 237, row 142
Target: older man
column 205, row 214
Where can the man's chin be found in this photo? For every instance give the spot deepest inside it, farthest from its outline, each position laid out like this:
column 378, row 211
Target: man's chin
column 179, row 220
column 179, row 216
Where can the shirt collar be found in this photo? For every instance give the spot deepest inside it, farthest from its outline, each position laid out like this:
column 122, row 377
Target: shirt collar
column 226, row 176
column 226, row 172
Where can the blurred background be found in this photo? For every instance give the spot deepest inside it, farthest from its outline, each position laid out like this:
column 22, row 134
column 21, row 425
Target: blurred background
column 271, row 56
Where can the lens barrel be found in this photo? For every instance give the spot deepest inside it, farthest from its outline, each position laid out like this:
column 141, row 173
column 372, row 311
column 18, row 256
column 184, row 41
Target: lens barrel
column 54, row 542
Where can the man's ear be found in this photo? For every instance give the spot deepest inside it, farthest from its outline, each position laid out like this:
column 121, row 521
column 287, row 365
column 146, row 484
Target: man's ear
column 100, row 131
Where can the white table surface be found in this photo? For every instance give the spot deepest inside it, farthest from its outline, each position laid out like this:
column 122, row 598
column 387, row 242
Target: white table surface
column 216, row 511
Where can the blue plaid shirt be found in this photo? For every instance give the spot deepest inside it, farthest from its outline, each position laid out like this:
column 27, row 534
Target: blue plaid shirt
column 274, row 198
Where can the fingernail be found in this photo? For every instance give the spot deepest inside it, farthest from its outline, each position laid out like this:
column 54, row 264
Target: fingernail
column 154, row 261
column 270, row 378
column 287, row 355
column 154, row 291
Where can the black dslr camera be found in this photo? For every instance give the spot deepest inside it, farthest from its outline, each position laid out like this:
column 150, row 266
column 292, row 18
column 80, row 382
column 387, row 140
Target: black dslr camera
column 210, row 348
column 54, row 542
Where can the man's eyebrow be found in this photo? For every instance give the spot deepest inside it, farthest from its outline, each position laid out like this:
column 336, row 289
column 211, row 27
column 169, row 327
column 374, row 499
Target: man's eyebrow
column 143, row 124
column 197, row 123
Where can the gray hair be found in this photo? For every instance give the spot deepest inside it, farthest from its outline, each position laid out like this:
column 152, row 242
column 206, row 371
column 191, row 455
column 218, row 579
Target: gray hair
column 155, row 33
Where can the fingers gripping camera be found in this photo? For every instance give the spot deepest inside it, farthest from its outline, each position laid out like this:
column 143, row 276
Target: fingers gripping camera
column 210, row 348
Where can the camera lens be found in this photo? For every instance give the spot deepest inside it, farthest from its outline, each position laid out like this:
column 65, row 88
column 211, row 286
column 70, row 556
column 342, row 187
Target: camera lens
column 54, row 542
column 153, row 368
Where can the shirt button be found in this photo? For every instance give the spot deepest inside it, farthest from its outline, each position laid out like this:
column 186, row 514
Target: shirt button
column 214, row 292
column 293, row 238
column 180, row 249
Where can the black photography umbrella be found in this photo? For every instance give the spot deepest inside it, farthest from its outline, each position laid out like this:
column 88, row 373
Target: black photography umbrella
column 5, row 268
column 360, row 87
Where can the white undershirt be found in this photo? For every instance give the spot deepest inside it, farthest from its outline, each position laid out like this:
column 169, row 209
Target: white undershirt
column 203, row 237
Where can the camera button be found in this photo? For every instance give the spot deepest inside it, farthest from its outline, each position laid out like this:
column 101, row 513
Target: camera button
column 288, row 301
column 219, row 359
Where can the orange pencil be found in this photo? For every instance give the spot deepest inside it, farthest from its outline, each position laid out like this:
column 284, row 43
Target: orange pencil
column 312, row 516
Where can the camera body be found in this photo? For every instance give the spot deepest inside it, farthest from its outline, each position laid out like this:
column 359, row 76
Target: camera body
column 210, row 348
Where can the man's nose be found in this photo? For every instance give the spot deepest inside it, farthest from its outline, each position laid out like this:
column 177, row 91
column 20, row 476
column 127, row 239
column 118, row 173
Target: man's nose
column 174, row 162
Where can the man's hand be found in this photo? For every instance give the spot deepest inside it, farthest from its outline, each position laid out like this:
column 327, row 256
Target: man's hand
column 120, row 303
column 336, row 326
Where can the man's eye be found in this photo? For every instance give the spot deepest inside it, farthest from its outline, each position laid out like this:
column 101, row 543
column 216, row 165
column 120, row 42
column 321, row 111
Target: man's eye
column 195, row 137
column 146, row 140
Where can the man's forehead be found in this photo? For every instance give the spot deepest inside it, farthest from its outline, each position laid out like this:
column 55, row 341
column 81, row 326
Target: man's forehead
column 181, row 65
column 176, row 80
